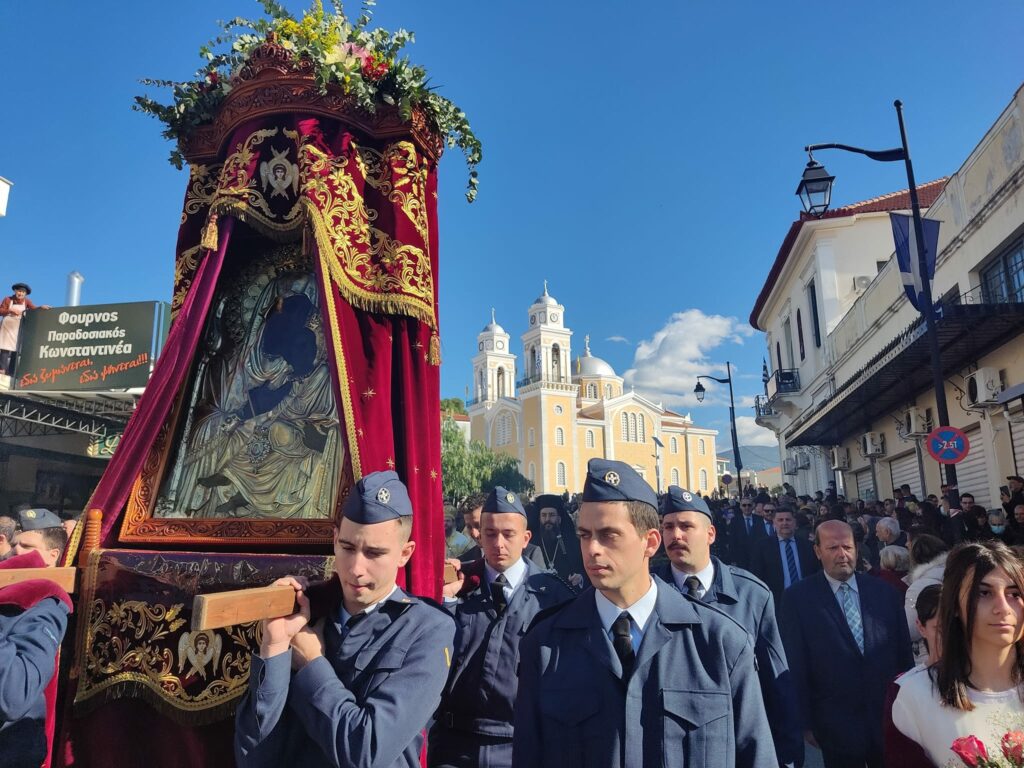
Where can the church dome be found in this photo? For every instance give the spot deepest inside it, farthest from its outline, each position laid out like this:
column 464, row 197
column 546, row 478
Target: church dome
column 493, row 327
column 588, row 365
column 545, row 298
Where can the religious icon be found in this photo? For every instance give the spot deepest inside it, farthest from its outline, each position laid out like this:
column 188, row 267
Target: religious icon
column 261, row 437
column 200, row 650
column 279, row 174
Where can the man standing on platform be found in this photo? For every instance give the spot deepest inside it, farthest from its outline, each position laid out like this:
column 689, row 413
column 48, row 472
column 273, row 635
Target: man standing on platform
column 845, row 642
column 42, row 531
column 357, row 688
column 688, row 533
column 494, row 602
column 632, row 673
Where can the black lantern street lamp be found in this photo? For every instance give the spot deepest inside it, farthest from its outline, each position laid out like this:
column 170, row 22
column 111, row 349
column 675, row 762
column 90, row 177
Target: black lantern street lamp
column 700, row 391
column 815, row 191
column 815, row 188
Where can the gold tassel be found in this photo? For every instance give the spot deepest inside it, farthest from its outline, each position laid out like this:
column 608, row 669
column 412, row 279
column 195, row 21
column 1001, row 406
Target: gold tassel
column 434, row 357
column 210, row 235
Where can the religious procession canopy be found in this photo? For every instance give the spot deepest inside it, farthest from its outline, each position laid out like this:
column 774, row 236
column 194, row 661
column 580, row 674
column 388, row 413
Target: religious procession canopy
column 303, row 354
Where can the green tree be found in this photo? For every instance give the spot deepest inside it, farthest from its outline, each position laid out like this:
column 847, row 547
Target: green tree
column 466, row 469
column 450, row 405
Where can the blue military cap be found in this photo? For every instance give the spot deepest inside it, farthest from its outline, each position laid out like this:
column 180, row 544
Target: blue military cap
column 502, row 501
column 36, row 519
column 377, row 498
column 616, row 481
column 681, row 500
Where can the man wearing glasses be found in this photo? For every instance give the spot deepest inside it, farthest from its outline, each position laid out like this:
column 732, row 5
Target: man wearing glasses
column 745, row 530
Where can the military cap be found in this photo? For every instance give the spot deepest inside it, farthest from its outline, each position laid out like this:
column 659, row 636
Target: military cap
column 616, row 481
column 681, row 500
column 21, row 286
column 37, row 519
column 501, row 501
column 377, row 498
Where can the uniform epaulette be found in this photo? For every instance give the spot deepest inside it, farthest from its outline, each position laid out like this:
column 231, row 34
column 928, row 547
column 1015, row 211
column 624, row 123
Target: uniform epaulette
column 434, row 604
column 548, row 612
column 740, row 573
column 719, row 611
column 557, row 577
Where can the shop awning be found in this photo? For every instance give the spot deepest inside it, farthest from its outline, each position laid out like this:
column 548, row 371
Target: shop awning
column 902, row 370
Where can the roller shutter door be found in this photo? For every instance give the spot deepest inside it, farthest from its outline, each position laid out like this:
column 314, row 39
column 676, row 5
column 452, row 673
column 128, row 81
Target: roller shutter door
column 1018, row 446
column 972, row 473
column 904, row 469
column 865, row 485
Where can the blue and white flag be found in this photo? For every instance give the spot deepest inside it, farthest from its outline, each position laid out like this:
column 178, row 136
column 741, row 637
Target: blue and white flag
column 907, row 254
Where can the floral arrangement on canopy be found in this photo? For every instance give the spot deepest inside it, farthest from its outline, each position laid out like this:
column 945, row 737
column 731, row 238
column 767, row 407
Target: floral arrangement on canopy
column 364, row 62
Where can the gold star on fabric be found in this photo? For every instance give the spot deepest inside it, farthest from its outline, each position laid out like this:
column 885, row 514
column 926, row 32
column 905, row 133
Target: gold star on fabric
column 390, row 463
column 417, row 345
column 359, row 431
column 369, row 393
column 433, row 474
column 416, row 469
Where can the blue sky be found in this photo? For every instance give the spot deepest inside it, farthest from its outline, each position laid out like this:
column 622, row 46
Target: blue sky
column 640, row 157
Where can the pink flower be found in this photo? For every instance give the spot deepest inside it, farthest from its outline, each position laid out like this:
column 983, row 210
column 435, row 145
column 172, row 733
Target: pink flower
column 1013, row 747
column 358, row 51
column 971, row 751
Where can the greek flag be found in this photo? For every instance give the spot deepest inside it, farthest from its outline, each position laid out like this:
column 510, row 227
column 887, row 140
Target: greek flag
column 907, row 254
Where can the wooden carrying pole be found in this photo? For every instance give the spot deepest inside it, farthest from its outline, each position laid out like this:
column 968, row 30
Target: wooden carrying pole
column 62, row 577
column 223, row 609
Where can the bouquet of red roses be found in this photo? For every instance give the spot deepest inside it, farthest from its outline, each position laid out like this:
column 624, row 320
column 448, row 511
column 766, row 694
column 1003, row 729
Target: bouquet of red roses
column 971, row 750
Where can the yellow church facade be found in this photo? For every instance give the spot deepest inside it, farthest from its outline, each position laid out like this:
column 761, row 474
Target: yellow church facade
column 555, row 413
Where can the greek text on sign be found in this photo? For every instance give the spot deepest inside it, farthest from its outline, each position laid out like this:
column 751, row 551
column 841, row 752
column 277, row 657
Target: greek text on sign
column 947, row 445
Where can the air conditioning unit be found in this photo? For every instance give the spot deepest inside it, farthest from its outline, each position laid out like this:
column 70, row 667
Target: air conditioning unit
column 983, row 386
column 916, row 423
column 872, row 444
column 803, row 461
column 789, row 466
column 861, row 283
column 840, row 458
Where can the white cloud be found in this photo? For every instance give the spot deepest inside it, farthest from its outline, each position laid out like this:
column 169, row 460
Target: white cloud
column 748, row 432
column 619, row 339
column 666, row 366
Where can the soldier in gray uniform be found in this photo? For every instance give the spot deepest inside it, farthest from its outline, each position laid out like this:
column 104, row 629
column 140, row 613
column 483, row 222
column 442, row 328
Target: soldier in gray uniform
column 632, row 673
column 494, row 602
column 356, row 689
column 688, row 532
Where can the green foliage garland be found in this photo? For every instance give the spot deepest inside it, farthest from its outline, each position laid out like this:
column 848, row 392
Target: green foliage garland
column 364, row 62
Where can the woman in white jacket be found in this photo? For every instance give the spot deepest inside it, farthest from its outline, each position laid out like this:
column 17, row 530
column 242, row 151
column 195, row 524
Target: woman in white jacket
column 928, row 564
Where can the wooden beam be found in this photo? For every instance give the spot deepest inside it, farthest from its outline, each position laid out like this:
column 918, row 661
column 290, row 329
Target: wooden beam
column 238, row 606
column 62, row 577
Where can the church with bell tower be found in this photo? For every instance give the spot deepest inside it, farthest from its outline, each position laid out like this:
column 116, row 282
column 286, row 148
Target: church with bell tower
column 553, row 413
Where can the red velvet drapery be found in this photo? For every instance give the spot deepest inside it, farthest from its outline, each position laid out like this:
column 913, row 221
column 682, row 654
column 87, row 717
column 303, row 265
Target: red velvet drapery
column 366, row 211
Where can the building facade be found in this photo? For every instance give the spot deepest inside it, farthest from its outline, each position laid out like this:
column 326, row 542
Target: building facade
column 558, row 413
column 850, row 389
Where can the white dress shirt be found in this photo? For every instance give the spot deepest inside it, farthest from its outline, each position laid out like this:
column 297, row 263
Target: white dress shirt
column 639, row 613
column 345, row 615
column 706, row 577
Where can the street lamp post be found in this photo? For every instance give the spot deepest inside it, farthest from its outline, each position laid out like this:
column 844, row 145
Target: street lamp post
column 815, row 192
column 658, row 445
column 699, row 392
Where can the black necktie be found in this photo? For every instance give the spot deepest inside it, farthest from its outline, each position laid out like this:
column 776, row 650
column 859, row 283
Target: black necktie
column 352, row 621
column 693, row 587
column 498, row 593
column 622, row 641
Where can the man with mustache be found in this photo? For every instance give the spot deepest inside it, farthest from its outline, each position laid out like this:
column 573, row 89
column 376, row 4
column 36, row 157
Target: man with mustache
column 688, row 532
column 631, row 673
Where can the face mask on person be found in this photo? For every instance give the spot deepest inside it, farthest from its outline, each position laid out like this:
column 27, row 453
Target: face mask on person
column 997, row 529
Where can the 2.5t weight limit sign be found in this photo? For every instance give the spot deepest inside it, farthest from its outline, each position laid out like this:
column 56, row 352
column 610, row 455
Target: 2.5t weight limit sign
column 947, row 445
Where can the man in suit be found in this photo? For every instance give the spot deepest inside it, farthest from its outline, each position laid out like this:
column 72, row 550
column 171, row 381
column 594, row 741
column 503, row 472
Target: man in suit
column 783, row 560
column 744, row 531
column 357, row 688
column 688, row 534
column 845, row 642
column 493, row 601
column 631, row 673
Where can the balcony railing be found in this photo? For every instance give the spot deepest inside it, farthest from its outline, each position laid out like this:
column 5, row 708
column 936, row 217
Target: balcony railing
column 783, row 382
column 763, row 408
column 473, row 401
column 528, row 380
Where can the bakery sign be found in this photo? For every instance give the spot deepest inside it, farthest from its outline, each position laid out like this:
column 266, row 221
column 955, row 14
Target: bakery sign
column 90, row 348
